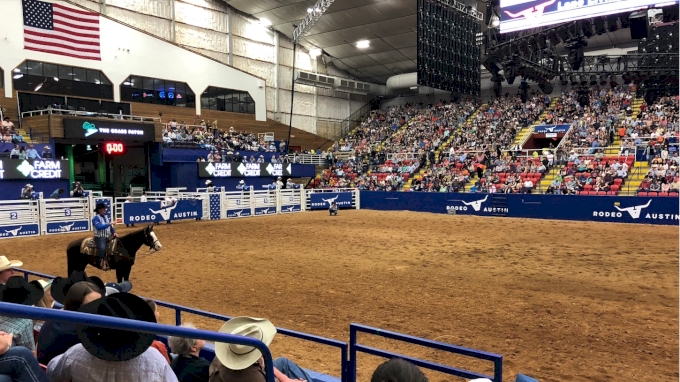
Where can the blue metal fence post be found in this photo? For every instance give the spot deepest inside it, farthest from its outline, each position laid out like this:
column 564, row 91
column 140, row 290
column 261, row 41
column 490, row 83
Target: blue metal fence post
column 498, row 370
column 344, row 362
column 178, row 317
column 352, row 363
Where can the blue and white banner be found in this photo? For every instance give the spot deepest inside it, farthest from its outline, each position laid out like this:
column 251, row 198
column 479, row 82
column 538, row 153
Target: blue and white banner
column 67, row 226
column 153, row 212
column 323, row 200
column 616, row 209
column 239, row 213
column 547, row 129
column 215, row 206
column 285, row 209
column 265, row 211
column 8, row 231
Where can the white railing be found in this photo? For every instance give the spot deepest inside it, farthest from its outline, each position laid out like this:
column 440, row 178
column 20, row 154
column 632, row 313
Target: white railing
column 398, row 157
column 315, row 159
column 80, row 113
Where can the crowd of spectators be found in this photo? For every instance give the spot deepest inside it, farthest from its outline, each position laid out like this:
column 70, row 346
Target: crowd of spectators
column 8, row 133
column 64, row 351
column 662, row 179
column 591, row 175
column 208, row 136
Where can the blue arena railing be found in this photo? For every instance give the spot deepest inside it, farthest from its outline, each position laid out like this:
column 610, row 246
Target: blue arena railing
column 286, row 332
column 354, row 347
column 22, row 311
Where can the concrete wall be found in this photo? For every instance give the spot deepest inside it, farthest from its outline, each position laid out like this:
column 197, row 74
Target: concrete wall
column 214, row 29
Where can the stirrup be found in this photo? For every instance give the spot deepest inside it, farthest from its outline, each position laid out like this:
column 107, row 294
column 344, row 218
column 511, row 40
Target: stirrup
column 104, row 265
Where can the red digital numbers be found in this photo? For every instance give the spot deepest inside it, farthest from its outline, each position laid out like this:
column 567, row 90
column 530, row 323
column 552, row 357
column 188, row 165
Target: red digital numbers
column 114, row 148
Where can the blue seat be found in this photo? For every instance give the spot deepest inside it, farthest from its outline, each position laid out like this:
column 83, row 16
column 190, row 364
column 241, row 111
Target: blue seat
column 524, row 378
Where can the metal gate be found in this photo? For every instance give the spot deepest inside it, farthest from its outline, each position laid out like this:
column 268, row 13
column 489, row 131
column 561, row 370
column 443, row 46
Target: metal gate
column 19, row 218
column 65, row 215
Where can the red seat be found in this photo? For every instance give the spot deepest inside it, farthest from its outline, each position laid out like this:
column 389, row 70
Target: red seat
column 673, row 194
column 641, row 193
column 602, row 192
column 652, row 193
column 618, row 181
column 587, row 187
column 614, row 188
column 663, row 193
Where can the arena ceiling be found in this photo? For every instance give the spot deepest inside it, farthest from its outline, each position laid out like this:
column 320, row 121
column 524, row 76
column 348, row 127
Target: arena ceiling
column 389, row 26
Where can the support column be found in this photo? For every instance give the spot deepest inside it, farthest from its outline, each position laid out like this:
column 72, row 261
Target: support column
column 101, row 167
column 172, row 20
column 71, row 164
column 276, row 75
column 230, row 42
column 102, row 7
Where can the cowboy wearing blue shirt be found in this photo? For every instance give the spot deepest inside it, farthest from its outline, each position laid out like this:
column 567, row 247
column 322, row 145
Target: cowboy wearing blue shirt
column 103, row 230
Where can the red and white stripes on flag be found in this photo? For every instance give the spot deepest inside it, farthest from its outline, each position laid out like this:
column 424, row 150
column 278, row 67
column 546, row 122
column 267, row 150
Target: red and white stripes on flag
column 58, row 29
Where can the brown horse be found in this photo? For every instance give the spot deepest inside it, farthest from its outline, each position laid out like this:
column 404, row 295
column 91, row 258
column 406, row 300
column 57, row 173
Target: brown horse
column 123, row 257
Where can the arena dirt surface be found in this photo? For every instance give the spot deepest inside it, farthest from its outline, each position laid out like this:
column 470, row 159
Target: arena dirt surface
column 561, row 301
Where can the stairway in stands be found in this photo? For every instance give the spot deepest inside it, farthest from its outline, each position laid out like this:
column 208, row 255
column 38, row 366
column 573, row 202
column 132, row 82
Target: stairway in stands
column 548, row 178
column 635, row 177
column 526, row 132
column 444, row 145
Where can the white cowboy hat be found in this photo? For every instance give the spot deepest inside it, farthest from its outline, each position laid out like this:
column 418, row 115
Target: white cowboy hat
column 7, row 264
column 239, row 357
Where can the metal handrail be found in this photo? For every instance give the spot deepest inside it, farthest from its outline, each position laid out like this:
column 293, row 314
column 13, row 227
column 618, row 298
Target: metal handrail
column 63, row 316
column 80, row 113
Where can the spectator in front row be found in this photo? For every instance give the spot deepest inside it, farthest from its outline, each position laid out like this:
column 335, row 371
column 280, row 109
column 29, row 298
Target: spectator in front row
column 398, row 370
column 56, row 194
column 239, row 363
column 14, row 154
column 158, row 345
column 7, row 268
column 56, row 338
column 19, row 291
column 46, row 153
column 27, row 192
column 32, row 153
column 78, row 191
column 18, row 363
column 188, row 365
column 108, row 355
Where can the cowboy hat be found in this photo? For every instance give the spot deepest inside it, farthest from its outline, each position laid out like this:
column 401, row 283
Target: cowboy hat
column 45, row 283
column 61, row 285
column 19, row 291
column 113, row 344
column 239, row 357
column 207, row 182
column 9, row 264
column 100, row 206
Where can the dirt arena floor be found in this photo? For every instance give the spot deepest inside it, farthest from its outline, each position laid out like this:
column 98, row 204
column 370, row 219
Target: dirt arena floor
column 561, row 301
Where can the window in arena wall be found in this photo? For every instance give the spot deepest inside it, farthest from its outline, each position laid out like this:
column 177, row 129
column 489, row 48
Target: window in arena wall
column 48, row 78
column 157, row 91
column 234, row 101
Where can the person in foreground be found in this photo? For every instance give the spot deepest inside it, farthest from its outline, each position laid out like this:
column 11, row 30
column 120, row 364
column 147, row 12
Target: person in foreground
column 239, row 363
column 19, row 291
column 108, row 355
column 398, row 370
column 188, row 366
column 17, row 363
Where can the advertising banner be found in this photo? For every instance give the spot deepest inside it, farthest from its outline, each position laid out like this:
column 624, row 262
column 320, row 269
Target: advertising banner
column 97, row 129
column 551, row 129
column 30, row 169
column 243, row 170
column 154, row 212
column 323, row 200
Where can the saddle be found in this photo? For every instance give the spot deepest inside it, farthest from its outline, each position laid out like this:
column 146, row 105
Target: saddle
column 89, row 247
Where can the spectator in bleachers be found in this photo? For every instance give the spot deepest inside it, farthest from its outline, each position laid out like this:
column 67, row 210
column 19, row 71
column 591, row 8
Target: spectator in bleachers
column 107, row 355
column 56, row 338
column 18, row 363
column 27, row 192
column 7, row 268
column 32, row 153
column 46, row 152
column 188, row 365
column 398, row 370
column 77, row 191
column 239, row 363
column 19, row 291
column 158, row 345
column 14, row 154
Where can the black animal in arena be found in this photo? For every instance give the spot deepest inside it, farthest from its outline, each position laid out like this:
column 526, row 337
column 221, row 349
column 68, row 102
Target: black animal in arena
column 120, row 254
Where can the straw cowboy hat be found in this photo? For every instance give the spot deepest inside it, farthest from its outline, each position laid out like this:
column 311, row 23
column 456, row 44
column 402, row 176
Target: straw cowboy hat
column 239, row 357
column 6, row 264
column 19, row 291
column 113, row 344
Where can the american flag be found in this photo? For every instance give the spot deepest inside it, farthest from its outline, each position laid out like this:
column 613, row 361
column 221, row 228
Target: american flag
column 58, row 29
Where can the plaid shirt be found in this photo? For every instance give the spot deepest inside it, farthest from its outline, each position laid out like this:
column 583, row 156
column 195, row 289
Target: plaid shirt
column 22, row 328
column 78, row 365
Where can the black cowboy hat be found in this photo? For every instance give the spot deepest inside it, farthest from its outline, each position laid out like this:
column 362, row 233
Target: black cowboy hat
column 99, row 206
column 19, row 291
column 114, row 344
column 61, row 285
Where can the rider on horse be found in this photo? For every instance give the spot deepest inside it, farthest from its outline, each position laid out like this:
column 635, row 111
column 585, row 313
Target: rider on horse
column 103, row 230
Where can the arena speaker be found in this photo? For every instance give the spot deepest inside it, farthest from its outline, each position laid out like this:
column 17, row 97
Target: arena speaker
column 638, row 26
column 448, row 54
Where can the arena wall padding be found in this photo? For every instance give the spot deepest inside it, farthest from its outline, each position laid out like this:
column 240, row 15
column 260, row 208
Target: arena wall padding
column 615, row 209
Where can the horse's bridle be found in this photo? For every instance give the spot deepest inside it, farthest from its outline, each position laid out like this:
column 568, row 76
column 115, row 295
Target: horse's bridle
column 151, row 241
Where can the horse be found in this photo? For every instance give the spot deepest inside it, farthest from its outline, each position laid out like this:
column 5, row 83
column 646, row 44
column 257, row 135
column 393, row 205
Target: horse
column 120, row 253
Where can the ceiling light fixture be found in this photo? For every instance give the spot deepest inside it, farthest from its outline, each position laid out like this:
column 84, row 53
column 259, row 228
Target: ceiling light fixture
column 17, row 76
column 310, row 10
column 17, row 70
column 56, row 79
column 40, row 85
column 363, row 44
column 265, row 22
column 315, row 52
